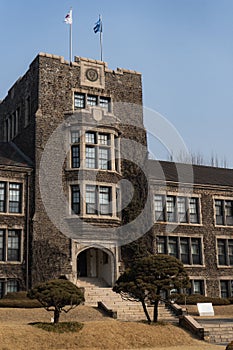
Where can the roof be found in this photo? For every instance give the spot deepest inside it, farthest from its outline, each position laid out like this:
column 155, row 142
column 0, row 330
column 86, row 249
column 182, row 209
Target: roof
column 11, row 155
column 189, row 173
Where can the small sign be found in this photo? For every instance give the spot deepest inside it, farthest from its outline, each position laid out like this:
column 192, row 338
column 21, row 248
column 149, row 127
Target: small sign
column 205, row 309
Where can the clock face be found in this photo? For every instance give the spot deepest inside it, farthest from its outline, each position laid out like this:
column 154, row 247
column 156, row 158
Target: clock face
column 92, row 74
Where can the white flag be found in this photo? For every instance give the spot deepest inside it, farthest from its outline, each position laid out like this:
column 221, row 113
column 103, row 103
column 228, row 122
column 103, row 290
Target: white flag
column 68, row 18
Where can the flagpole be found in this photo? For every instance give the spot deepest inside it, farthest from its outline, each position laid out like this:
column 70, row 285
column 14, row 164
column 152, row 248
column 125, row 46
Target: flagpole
column 71, row 34
column 70, row 42
column 101, row 44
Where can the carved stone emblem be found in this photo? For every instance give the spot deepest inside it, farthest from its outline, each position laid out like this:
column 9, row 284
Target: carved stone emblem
column 92, row 74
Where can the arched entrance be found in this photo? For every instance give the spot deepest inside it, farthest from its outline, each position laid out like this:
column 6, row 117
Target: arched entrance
column 96, row 263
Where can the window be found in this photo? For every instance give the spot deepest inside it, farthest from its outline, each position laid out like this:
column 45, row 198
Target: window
column 10, row 197
column 27, row 115
column 197, row 287
column 75, row 199
column 8, row 286
column 223, row 212
column 14, row 198
column 187, row 249
column 79, row 100
column 82, row 100
column 176, row 209
column 10, row 243
column 170, row 208
column 226, row 287
column 98, row 148
column 12, row 286
column 98, row 200
column 225, row 252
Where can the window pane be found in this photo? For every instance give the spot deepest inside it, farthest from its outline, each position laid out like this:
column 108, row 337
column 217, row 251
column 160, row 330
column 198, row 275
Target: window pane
column 103, row 158
column 79, row 100
column 13, row 248
column 161, row 245
column 2, row 244
column 2, row 196
column 75, row 157
column 196, row 250
column 193, row 210
column 1, row 289
column 14, row 198
column 170, row 207
column 91, row 207
column 90, row 157
column 75, row 199
column 105, row 200
column 229, row 212
column 198, row 287
column 158, row 203
column 219, row 212
column 230, row 251
column 184, row 250
column 172, row 246
column 92, row 100
column 90, row 137
column 181, row 209
column 224, row 289
column 12, row 286
column 221, row 252
column 103, row 139
column 74, row 136
column 105, row 103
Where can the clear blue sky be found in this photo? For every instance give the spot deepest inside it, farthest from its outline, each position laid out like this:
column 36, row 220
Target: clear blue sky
column 183, row 48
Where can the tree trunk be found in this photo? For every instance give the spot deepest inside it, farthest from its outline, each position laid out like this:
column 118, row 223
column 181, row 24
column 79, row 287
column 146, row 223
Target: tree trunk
column 56, row 315
column 156, row 305
column 146, row 312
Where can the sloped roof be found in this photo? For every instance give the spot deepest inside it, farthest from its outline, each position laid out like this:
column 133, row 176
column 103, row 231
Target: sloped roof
column 188, row 173
column 10, row 155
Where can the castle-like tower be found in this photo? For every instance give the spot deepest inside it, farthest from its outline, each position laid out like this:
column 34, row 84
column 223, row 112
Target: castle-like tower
column 70, row 120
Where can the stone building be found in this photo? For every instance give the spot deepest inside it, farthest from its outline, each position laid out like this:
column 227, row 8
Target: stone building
column 76, row 184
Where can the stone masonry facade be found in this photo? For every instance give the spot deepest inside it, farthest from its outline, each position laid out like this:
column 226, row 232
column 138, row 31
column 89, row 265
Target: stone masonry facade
column 80, row 185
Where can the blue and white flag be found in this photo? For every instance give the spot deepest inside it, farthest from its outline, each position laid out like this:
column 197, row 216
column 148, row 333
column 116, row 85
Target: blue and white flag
column 98, row 26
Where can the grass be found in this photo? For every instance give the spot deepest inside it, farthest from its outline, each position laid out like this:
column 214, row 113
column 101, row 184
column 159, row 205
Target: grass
column 98, row 332
column 61, row 327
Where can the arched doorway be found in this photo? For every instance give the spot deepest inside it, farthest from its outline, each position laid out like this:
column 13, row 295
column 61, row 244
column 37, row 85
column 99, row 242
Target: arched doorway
column 96, row 263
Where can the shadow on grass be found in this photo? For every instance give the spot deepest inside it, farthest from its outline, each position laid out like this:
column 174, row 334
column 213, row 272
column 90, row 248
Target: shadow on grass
column 61, row 327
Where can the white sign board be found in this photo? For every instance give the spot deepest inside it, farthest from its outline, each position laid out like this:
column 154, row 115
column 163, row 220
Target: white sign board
column 205, row 309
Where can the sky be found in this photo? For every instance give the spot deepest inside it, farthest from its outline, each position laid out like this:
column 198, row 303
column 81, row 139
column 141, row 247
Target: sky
column 183, row 48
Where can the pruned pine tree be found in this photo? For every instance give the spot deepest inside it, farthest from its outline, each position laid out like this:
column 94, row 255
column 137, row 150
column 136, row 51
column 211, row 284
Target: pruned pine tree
column 148, row 277
column 57, row 295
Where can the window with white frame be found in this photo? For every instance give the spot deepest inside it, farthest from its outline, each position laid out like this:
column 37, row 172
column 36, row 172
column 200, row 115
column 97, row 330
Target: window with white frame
column 10, row 245
column 8, row 286
column 10, row 197
column 82, row 100
column 225, row 252
column 223, row 212
column 97, row 149
column 179, row 209
column 197, row 287
column 226, row 288
column 97, row 200
column 186, row 249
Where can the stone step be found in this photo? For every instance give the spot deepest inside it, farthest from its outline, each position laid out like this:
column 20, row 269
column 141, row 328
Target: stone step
column 96, row 291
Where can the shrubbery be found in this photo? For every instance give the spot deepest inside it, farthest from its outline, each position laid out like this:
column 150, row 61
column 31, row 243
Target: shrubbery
column 230, row 346
column 198, row 298
column 18, row 300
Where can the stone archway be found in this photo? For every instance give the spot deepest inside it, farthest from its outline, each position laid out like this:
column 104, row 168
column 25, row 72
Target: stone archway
column 93, row 262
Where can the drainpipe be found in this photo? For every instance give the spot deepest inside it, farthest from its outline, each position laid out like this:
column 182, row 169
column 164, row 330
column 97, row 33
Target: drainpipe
column 27, row 233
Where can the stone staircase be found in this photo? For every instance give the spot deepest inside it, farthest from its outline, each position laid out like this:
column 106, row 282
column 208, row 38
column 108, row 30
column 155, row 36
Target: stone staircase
column 219, row 331
column 96, row 291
